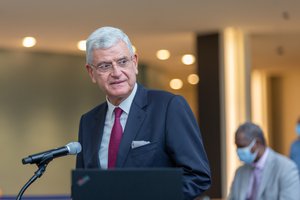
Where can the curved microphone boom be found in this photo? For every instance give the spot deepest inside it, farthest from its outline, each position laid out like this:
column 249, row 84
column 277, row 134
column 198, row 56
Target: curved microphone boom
column 42, row 160
column 71, row 148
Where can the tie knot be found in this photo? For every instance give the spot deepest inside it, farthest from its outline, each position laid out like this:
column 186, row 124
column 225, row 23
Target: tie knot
column 118, row 111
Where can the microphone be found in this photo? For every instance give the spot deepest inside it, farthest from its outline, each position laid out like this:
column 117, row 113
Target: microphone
column 72, row 148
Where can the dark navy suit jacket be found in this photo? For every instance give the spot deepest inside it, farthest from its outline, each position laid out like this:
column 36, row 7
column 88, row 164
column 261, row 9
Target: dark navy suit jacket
column 165, row 120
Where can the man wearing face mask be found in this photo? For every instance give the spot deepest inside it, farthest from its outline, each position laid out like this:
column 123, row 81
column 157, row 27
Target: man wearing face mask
column 265, row 175
column 295, row 147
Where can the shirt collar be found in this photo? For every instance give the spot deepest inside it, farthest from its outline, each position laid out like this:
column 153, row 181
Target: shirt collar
column 261, row 162
column 124, row 105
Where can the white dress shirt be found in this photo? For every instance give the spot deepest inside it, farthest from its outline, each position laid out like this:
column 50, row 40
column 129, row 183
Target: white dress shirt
column 109, row 121
column 257, row 171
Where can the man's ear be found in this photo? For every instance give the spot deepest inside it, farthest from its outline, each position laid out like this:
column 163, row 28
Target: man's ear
column 259, row 142
column 135, row 61
column 91, row 72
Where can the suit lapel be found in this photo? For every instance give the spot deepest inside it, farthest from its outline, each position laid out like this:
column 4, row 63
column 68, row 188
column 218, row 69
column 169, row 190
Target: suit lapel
column 134, row 122
column 97, row 133
column 267, row 174
column 246, row 173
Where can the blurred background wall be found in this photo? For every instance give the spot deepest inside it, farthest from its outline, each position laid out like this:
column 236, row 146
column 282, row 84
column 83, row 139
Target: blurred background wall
column 42, row 98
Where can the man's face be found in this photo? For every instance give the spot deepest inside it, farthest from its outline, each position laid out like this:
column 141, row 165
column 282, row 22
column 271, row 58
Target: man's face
column 118, row 82
column 241, row 141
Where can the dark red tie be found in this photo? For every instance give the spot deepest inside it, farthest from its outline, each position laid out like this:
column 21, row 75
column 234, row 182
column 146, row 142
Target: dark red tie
column 115, row 139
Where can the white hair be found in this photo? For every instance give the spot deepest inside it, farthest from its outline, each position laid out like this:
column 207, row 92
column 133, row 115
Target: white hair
column 104, row 38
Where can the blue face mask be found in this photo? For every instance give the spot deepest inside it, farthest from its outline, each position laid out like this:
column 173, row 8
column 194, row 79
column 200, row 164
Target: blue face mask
column 245, row 154
column 298, row 129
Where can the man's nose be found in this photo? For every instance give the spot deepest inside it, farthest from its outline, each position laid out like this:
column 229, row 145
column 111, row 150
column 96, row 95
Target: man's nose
column 116, row 70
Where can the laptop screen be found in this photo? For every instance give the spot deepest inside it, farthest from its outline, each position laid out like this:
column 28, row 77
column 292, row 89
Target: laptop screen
column 127, row 184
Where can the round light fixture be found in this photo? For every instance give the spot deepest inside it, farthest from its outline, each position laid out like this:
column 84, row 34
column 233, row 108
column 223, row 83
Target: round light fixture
column 29, row 42
column 188, row 59
column 193, row 79
column 163, row 54
column 134, row 49
column 176, row 84
column 81, row 45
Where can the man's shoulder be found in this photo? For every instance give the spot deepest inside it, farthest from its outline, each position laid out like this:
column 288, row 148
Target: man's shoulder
column 280, row 159
column 95, row 110
column 160, row 93
column 166, row 98
column 296, row 144
column 244, row 167
column 155, row 94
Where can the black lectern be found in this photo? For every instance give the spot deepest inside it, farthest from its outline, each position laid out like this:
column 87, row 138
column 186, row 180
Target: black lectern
column 127, row 184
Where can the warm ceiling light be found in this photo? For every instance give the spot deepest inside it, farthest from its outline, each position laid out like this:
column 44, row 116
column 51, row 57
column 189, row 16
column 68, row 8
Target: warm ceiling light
column 29, row 41
column 81, row 45
column 176, row 84
column 188, row 59
column 193, row 79
column 163, row 54
column 134, row 49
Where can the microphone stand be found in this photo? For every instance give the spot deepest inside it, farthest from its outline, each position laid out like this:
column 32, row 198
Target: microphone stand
column 41, row 169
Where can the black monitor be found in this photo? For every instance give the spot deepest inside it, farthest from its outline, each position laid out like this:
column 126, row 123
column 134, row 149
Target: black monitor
column 127, row 184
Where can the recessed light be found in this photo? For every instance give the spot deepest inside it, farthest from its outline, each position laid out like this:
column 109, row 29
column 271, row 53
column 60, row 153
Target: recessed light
column 29, row 42
column 163, row 54
column 193, row 79
column 188, row 59
column 176, row 84
column 81, row 45
column 134, row 49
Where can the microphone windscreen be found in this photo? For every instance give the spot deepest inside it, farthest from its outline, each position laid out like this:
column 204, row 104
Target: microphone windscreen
column 74, row 148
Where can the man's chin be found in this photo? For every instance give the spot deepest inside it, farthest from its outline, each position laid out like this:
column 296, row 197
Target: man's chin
column 121, row 93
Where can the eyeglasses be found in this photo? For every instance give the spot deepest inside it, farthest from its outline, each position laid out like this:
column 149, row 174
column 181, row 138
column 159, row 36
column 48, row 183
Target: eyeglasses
column 108, row 66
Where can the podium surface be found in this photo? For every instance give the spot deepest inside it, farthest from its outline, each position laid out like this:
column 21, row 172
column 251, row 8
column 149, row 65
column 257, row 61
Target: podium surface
column 127, row 183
